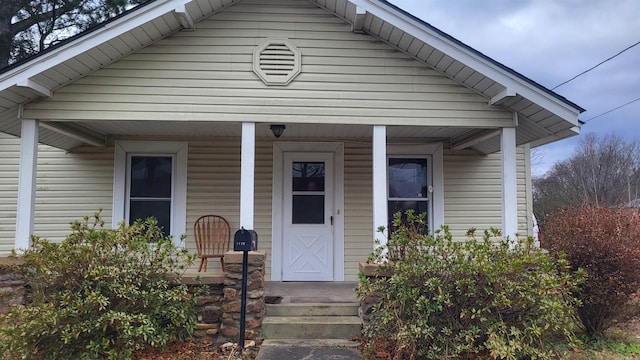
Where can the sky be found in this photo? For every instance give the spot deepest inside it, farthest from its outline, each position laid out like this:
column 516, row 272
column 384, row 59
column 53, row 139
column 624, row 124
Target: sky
column 550, row 41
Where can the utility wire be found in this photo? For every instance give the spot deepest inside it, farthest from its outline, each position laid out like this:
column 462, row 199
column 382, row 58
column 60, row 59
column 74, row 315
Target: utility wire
column 614, row 109
column 600, row 63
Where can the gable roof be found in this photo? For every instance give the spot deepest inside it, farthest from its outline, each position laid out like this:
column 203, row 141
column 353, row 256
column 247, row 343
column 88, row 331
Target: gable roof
column 543, row 115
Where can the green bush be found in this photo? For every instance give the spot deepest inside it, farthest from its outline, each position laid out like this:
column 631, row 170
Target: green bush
column 606, row 244
column 450, row 300
column 101, row 294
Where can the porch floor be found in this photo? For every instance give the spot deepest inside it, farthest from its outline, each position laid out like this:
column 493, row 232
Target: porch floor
column 312, row 292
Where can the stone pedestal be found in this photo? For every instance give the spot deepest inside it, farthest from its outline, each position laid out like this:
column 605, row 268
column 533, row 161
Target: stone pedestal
column 373, row 273
column 209, row 313
column 13, row 287
column 233, row 292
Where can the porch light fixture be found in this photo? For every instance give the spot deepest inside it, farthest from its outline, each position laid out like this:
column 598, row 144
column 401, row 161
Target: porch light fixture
column 277, row 130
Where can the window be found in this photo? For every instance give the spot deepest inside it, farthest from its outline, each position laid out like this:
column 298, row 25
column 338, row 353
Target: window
column 150, row 180
column 150, row 189
column 409, row 187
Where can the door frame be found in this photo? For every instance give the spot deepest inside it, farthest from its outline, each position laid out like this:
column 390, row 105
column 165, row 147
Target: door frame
column 277, row 202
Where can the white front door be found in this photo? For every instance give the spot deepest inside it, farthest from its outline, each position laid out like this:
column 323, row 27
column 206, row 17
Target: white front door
column 308, row 237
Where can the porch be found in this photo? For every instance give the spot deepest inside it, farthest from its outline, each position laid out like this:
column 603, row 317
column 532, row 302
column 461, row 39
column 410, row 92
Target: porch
column 248, row 179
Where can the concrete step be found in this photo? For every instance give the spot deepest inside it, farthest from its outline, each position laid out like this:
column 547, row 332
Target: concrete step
column 311, row 327
column 333, row 343
column 294, row 349
column 313, row 309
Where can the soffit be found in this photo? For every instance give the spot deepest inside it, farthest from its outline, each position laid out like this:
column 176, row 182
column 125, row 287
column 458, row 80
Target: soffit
column 546, row 116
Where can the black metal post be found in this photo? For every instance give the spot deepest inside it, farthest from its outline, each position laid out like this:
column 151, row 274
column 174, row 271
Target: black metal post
column 243, row 301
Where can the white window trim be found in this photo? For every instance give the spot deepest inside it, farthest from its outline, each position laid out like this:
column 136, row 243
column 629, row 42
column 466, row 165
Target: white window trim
column 435, row 162
column 179, row 204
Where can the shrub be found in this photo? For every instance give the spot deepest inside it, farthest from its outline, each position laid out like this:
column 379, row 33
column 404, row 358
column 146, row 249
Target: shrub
column 450, row 300
column 606, row 244
column 101, row 294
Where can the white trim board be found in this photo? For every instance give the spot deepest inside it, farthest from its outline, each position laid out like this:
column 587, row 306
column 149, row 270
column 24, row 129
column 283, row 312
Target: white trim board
column 179, row 206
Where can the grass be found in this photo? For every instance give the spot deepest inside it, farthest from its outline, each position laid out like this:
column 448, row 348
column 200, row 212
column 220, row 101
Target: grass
column 616, row 344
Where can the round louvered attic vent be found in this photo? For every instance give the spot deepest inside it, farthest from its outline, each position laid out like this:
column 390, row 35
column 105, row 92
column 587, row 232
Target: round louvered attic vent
column 276, row 61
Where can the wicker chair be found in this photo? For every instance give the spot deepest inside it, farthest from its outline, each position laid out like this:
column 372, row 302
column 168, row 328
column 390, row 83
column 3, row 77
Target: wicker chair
column 213, row 238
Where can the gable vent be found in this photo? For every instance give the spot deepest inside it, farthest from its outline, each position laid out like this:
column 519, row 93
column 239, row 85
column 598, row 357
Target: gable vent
column 276, row 61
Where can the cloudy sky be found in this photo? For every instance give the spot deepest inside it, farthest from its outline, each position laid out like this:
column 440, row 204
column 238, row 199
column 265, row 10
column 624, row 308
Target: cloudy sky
column 550, row 41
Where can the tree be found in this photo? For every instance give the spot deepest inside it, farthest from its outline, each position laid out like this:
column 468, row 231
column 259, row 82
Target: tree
column 604, row 171
column 30, row 26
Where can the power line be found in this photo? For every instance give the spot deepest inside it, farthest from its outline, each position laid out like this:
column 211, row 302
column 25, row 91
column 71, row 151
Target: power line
column 600, row 63
column 614, row 109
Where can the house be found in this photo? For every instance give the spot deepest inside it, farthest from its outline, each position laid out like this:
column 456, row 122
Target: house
column 310, row 121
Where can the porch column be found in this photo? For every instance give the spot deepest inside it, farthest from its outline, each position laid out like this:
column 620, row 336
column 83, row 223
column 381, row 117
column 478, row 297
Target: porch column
column 247, row 174
column 509, row 183
column 27, row 183
column 380, row 183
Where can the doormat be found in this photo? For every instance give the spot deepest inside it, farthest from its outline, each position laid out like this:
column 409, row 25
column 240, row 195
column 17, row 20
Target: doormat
column 273, row 299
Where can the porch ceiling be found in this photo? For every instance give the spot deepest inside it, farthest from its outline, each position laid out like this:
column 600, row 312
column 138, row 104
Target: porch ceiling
column 544, row 116
column 51, row 132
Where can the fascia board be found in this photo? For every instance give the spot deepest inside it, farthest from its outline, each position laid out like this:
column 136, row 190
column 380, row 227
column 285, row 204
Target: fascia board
column 85, row 43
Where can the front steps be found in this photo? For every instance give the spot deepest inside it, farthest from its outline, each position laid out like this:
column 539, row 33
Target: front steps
column 312, row 321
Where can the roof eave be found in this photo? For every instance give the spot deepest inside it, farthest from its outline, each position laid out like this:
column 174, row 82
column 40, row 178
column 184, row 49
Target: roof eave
column 23, row 73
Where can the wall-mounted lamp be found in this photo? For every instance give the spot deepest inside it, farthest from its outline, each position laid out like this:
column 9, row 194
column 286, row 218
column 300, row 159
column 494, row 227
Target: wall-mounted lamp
column 277, row 130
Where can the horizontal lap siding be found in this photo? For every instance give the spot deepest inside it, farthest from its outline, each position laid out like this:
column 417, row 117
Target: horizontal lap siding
column 71, row 186
column 9, row 165
column 263, row 194
column 213, row 185
column 473, row 192
column 207, row 75
column 358, row 217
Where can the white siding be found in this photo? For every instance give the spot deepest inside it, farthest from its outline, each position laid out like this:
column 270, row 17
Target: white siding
column 9, row 164
column 472, row 185
column 207, row 75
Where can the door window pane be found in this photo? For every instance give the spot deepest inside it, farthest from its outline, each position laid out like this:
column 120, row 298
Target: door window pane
column 308, row 192
column 308, row 209
column 308, row 176
column 151, row 189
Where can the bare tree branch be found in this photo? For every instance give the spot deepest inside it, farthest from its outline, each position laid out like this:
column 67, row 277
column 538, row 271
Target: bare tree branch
column 604, row 171
column 30, row 26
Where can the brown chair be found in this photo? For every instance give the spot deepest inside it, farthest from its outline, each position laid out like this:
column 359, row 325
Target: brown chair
column 213, row 238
